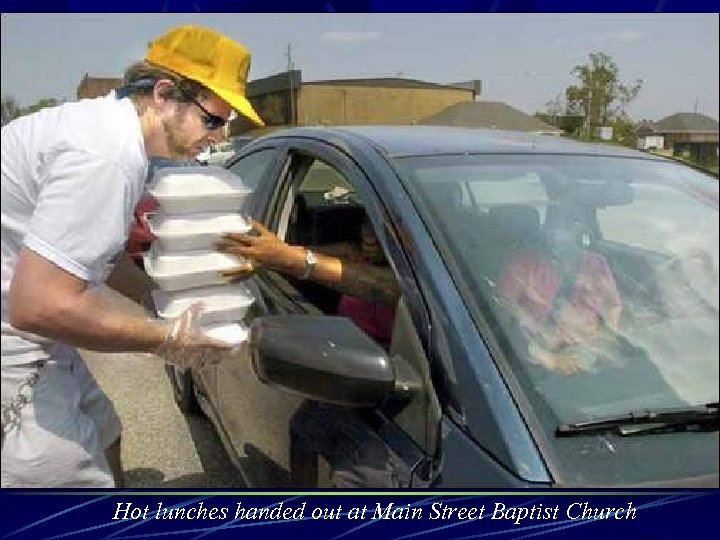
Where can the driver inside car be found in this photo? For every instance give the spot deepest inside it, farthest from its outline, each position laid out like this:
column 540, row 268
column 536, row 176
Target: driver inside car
column 564, row 297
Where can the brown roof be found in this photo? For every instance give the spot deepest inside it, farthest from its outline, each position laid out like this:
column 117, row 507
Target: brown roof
column 92, row 87
column 488, row 114
column 685, row 122
column 283, row 81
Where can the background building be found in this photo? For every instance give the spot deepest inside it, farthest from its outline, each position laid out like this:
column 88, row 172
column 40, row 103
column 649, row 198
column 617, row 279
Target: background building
column 92, row 87
column 688, row 135
column 285, row 99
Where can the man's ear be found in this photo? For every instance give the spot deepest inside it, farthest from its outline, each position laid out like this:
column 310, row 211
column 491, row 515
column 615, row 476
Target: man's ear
column 163, row 91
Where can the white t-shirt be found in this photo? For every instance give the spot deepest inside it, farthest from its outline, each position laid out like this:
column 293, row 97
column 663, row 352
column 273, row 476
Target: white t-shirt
column 71, row 177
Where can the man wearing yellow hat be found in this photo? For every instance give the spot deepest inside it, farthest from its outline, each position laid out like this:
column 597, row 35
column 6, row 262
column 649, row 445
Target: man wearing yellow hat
column 71, row 177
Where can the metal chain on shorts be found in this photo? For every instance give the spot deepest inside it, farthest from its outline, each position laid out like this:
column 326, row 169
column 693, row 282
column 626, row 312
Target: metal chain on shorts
column 12, row 409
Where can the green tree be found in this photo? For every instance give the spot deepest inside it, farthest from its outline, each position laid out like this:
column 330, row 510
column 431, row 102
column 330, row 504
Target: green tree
column 624, row 131
column 10, row 109
column 600, row 96
column 41, row 104
column 554, row 108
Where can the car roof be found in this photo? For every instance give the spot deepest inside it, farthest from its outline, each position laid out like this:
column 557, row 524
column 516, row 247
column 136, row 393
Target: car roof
column 402, row 141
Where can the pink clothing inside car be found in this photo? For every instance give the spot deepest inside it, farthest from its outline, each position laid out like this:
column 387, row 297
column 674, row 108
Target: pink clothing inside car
column 140, row 237
column 374, row 318
column 530, row 283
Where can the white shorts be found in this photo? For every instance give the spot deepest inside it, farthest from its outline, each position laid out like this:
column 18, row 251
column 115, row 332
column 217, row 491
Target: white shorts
column 59, row 437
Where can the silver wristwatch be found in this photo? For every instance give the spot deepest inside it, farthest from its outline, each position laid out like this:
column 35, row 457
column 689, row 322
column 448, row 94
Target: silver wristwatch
column 310, row 262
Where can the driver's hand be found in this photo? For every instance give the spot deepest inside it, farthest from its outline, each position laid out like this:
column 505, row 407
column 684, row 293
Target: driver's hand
column 244, row 271
column 262, row 249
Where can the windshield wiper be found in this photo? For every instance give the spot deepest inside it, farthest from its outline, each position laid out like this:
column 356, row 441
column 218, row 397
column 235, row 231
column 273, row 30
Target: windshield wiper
column 699, row 418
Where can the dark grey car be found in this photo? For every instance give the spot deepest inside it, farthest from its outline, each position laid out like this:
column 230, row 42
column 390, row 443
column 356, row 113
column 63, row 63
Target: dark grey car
column 558, row 322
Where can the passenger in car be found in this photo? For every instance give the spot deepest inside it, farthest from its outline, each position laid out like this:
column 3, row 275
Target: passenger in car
column 359, row 271
column 564, row 297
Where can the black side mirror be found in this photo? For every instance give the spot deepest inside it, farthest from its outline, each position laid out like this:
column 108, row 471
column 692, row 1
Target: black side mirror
column 321, row 357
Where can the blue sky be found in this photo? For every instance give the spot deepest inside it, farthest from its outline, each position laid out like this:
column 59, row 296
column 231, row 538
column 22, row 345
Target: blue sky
column 524, row 60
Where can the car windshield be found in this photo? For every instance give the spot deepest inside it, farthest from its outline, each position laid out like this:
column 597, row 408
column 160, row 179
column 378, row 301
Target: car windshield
column 598, row 276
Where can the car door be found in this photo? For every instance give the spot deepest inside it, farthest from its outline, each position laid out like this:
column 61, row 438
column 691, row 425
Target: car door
column 256, row 417
column 251, row 417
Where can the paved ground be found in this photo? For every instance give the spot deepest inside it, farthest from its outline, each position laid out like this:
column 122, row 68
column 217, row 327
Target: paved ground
column 161, row 447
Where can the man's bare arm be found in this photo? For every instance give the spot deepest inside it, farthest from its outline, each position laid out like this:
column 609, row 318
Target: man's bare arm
column 48, row 301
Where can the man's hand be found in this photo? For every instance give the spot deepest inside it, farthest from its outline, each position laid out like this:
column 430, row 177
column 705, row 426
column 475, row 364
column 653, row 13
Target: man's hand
column 186, row 345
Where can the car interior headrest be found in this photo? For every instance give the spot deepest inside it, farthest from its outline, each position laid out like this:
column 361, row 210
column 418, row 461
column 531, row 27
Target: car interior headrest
column 443, row 195
column 514, row 222
column 566, row 224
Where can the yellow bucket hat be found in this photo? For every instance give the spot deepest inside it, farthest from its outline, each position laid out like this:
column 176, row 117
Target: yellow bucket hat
column 217, row 62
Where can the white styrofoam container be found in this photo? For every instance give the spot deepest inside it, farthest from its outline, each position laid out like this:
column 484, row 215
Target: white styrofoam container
column 221, row 303
column 181, row 190
column 188, row 269
column 193, row 231
column 234, row 333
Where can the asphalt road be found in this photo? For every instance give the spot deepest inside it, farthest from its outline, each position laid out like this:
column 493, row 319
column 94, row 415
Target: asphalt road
column 162, row 448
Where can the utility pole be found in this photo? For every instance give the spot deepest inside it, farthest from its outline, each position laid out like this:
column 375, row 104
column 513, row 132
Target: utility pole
column 589, row 113
column 290, row 81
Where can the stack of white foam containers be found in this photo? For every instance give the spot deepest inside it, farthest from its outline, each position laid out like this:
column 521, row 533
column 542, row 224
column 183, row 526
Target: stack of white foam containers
column 195, row 206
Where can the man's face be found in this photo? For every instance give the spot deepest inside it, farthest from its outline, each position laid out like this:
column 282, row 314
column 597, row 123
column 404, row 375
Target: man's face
column 185, row 132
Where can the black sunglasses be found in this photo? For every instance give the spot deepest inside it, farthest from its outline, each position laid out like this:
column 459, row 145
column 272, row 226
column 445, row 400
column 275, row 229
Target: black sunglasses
column 211, row 121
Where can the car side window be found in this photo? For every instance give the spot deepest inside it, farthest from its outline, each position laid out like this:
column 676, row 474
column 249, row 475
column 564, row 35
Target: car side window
column 318, row 207
column 314, row 206
column 250, row 168
column 326, row 208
